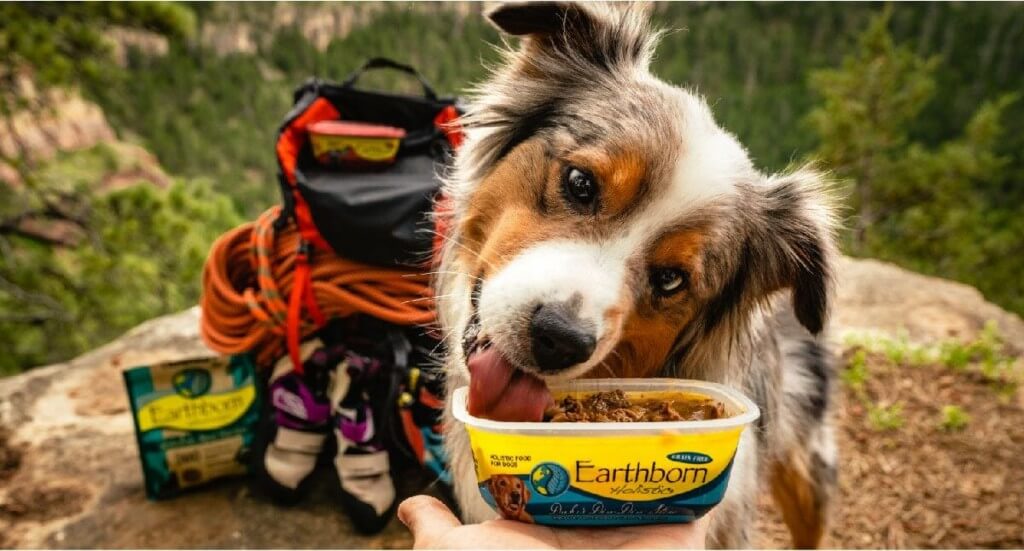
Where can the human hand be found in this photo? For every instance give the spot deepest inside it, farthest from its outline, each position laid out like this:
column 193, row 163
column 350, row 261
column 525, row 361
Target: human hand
column 433, row 526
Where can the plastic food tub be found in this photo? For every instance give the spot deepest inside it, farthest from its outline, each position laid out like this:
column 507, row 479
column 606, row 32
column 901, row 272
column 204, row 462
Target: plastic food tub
column 609, row 474
column 354, row 144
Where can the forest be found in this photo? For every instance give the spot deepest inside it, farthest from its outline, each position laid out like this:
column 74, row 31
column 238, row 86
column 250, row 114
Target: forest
column 914, row 109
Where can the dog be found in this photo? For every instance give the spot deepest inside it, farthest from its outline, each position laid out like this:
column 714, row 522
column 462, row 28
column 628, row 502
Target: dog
column 511, row 496
column 602, row 224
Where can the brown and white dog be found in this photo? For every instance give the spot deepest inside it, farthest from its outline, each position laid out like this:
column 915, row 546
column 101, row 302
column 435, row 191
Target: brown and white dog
column 602, row 224
column 511, row 495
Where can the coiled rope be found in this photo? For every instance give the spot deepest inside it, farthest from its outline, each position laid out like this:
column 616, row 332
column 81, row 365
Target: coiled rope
column 248, row 278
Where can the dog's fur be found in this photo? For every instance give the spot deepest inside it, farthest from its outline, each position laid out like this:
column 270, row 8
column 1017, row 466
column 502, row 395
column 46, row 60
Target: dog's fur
column 675, row 190
column 511, row 495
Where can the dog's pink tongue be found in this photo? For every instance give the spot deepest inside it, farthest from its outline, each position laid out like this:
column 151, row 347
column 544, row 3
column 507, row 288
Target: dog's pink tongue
column 500, row 392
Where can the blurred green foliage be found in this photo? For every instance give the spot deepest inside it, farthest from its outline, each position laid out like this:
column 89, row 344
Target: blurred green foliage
column 951, row 208
column 914, row 108
column 63, row 41
column 79, row 265
column 141, row 254
column 954, row 418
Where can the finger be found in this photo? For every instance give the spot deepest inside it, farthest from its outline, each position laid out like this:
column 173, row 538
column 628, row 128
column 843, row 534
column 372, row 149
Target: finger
column 427, row 518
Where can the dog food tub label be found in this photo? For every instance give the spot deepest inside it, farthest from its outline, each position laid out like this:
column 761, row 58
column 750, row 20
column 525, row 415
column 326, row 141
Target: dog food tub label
column 603, row 480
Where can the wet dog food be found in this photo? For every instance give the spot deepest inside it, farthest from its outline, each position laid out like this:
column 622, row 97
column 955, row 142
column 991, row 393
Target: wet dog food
column 614, row 406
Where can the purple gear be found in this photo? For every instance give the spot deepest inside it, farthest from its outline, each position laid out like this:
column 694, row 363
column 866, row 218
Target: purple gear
column 301, row 401
column 356, row 425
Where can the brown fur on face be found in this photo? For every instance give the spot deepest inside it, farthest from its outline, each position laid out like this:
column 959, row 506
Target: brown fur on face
column 650, row 330
column 511, row 495
column 520, row 204
column 502, row 218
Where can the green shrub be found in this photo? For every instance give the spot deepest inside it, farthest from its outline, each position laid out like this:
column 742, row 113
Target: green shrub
column 954, row 418
column 886, row 418
column 856, row 372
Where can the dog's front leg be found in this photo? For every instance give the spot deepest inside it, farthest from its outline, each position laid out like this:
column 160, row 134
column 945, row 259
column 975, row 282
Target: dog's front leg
column 467, row 492
column 460, row 460
column 733, row 520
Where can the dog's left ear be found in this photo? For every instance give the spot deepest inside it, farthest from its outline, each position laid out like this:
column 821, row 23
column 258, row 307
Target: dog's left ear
column 793, row 244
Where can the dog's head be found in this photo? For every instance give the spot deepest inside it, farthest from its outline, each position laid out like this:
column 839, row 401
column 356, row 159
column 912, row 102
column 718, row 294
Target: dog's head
column 510, row 494
column 603, row 222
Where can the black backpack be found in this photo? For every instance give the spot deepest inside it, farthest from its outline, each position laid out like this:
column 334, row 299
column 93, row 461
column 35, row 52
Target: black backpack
column 375, row 217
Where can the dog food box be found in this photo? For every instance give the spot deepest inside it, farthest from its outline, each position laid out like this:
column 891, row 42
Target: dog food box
column 354, row 144
column 194, row 420
column 609, row 473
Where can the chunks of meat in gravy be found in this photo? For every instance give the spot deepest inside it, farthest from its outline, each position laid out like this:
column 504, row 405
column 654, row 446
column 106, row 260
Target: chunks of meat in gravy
column 614, row 406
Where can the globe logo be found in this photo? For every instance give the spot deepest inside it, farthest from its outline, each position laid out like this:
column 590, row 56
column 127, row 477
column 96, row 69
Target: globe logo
column 549, row 479
column 191, row 383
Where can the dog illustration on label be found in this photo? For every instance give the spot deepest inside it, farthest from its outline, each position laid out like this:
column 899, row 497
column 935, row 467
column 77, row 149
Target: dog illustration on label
column 511, row 496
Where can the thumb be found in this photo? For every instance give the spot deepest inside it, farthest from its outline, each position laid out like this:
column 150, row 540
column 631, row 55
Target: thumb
column 428, row 519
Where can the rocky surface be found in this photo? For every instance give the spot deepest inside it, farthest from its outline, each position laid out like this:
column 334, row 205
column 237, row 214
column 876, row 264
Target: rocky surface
column 874, row 296
column 69, row 471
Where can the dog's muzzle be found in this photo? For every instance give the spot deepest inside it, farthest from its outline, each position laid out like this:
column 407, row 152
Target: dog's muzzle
column 559, row 340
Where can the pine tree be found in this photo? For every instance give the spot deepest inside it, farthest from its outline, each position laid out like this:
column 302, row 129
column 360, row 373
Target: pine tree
column 948, row 209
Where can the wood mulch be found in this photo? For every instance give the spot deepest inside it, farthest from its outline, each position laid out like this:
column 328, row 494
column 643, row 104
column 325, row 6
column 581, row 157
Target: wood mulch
column 920, row 485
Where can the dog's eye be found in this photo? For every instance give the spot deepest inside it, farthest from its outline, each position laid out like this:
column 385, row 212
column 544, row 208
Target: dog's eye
column 668, row 281
column 579, row 187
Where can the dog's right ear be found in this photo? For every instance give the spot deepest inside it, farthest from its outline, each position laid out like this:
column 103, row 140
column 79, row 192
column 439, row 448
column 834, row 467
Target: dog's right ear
column 597, row 34
column 541, row 18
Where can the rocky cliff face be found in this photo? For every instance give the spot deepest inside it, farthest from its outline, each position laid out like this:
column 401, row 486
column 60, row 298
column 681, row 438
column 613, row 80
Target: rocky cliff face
column 320, row 23
column 61, row 121
column 69, row 472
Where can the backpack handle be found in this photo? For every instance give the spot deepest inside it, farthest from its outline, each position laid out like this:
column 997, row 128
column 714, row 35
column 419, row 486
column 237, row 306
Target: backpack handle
column 385, row 63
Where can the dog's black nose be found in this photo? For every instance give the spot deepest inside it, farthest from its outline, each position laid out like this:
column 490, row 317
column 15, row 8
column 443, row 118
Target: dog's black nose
column 514, row 497
column 559, row 339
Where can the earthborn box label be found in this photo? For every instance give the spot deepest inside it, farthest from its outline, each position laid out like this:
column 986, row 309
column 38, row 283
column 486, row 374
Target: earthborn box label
column 194, row 420
column 603, row 480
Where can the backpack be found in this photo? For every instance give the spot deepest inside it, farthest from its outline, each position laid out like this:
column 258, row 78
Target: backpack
column 377, row 217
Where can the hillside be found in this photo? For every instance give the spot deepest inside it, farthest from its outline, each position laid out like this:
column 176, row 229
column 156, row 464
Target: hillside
column 930, row 433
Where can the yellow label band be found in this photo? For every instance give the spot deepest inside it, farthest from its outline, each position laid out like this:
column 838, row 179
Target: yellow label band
column 643, row 467
column 370, row 149
column 208, row 412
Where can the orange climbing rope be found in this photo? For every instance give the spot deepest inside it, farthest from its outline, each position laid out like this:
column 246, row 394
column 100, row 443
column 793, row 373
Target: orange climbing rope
column 247, row 282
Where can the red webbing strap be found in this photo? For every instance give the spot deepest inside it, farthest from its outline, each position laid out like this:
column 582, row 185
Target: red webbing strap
column 428, row 399
column 448, row 121
column 413, row 434
column 289, row 143
column 302, row 294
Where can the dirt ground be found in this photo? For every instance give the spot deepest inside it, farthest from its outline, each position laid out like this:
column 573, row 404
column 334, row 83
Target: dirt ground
column 920, row 485
column 917, row 485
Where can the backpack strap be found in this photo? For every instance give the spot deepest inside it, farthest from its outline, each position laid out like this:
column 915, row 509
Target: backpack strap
column 290, row 140
column 302, row 295
column 292, row 137
column 447, row 120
